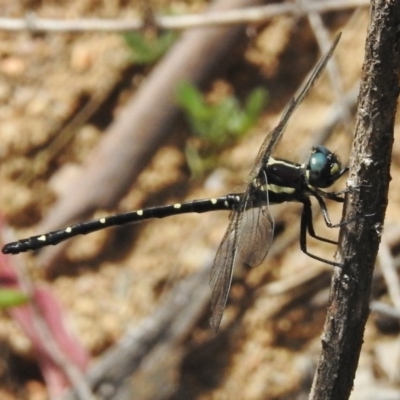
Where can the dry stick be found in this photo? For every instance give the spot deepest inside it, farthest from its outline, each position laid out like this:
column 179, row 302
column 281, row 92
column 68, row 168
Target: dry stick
column 143, row 125
column 336, row 113
column 322, row 35
column 44, row 157
column 359, row 241
column 247, row 15
column 388, row 268
column 168, row 326
column 385, row 309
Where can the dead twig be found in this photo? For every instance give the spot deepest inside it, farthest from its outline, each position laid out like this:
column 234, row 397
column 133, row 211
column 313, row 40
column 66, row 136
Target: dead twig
column 369, row 178
column 388, row 268
column 322, row 35
column 245, row 16
column 166, row 329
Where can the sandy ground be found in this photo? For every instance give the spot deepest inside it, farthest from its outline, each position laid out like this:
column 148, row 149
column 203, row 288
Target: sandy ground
column 271, row 353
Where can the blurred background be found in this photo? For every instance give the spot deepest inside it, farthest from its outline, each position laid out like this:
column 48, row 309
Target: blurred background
column 99, row 122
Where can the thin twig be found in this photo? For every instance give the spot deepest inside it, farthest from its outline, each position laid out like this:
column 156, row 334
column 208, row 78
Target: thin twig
column 388, row 268
column 324, row 43
column 243, row 16
column 44, row 157
column 336, row 113
column 385, row 309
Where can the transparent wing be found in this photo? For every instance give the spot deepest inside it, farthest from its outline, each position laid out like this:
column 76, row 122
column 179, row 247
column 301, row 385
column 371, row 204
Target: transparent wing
column 274, row 136
column 251, row 232
column 221, row 272
column 256, row 235
column 256, row 225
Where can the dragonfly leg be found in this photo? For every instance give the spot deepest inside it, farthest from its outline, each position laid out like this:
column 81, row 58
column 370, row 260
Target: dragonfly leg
column 336, row 196
column 325, row 214
column 308, row 221
column 306, row 224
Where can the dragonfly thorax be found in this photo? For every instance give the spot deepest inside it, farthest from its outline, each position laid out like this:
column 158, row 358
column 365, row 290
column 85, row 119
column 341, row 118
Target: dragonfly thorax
column 276, row 182
column 281, row 180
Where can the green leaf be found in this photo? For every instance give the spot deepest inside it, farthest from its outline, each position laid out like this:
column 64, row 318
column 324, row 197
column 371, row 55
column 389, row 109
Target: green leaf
column 255, row 103
column 12, row 298
column 216, row 125
column 191, row 100
column 147, row 50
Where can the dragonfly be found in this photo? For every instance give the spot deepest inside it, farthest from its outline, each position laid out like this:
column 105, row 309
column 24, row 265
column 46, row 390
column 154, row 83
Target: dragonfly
column 251, row 226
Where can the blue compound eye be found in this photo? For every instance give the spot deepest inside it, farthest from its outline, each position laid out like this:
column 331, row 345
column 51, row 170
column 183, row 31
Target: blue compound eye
column 323, row 167
column 318, row 162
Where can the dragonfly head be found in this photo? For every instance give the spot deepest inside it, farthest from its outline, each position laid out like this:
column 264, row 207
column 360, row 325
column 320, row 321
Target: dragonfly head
column 323, row 168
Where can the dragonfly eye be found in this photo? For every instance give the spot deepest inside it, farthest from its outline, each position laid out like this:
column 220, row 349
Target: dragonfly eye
column 323, row 167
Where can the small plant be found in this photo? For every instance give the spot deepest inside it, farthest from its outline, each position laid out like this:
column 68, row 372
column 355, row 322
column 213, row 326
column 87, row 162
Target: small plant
column 148, row 48
column 216, row 125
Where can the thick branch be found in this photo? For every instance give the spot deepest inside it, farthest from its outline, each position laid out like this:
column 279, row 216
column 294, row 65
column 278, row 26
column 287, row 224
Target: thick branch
column 369, row 175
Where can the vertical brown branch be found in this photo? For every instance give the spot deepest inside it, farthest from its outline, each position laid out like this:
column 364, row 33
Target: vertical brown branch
column 359, row 241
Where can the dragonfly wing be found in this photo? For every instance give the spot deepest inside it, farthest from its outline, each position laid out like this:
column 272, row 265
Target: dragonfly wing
column 256, row 235
column 221, row 272
column 274, row 136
